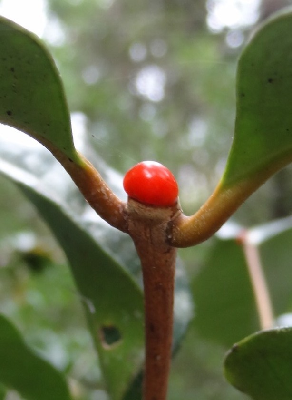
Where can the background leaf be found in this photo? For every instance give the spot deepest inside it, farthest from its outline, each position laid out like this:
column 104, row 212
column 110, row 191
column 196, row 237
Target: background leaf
column 24, row 371
column 260, row 365
column 99, row 279
column 273, row 240
column 103, row 260
column 2, row 392
column 225, row 310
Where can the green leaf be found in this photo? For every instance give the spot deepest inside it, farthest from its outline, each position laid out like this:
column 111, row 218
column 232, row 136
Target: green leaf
column 115, row 321
column 2, row 392
column 263, row 129
column 225, row 310
column 112, row 300
column 31, row 92
column 24, row 371
column 260, row 365
column 262, row 142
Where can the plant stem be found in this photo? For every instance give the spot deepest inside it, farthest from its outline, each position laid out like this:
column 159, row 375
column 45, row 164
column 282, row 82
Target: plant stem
column 94, row 189
column 147, row 226
column 260, row 287
column 194, row 229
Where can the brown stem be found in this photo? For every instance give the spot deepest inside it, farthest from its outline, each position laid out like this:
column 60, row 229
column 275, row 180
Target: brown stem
column 147, row 227
column 100, row 197
column 259, row 285
column 94, row 189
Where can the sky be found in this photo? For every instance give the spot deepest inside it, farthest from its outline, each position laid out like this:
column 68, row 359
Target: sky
column 31, row 14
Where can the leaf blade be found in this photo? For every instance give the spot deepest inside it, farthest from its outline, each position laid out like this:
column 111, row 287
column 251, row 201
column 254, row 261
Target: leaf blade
column 263, row 128
column 260, row 365
column 49, row 188
column 229, row 313
column 24, row 371
column 31, row 93
column 89, row 243
column 98, row 283
column 262, row 143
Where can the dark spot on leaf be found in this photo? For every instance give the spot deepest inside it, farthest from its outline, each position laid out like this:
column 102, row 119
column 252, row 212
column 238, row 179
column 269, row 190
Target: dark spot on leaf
column 110, row 336
column 12, row 69
column 270, row 80
column 70, row 159
column 8, row 112
column 242, row 94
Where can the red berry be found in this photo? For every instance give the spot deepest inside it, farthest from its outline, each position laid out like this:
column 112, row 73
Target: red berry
column 151, row 183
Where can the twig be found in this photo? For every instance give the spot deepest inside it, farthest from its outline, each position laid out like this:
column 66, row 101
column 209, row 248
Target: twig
column 259, row 284
column 94, row 189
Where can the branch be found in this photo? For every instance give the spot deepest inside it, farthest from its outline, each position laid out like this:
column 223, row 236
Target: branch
column 186, row 231
column 94, row 189
column 147, row 227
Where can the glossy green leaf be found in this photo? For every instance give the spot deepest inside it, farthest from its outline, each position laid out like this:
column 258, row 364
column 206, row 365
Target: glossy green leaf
column 260, row 365
column 263, row 129
column 24, row 371
column 31, row 92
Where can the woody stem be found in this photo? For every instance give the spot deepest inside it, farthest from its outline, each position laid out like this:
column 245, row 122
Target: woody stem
column 147, row 227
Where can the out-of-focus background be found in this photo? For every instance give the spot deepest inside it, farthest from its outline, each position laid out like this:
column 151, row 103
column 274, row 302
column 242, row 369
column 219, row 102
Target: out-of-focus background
column 145, row 80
